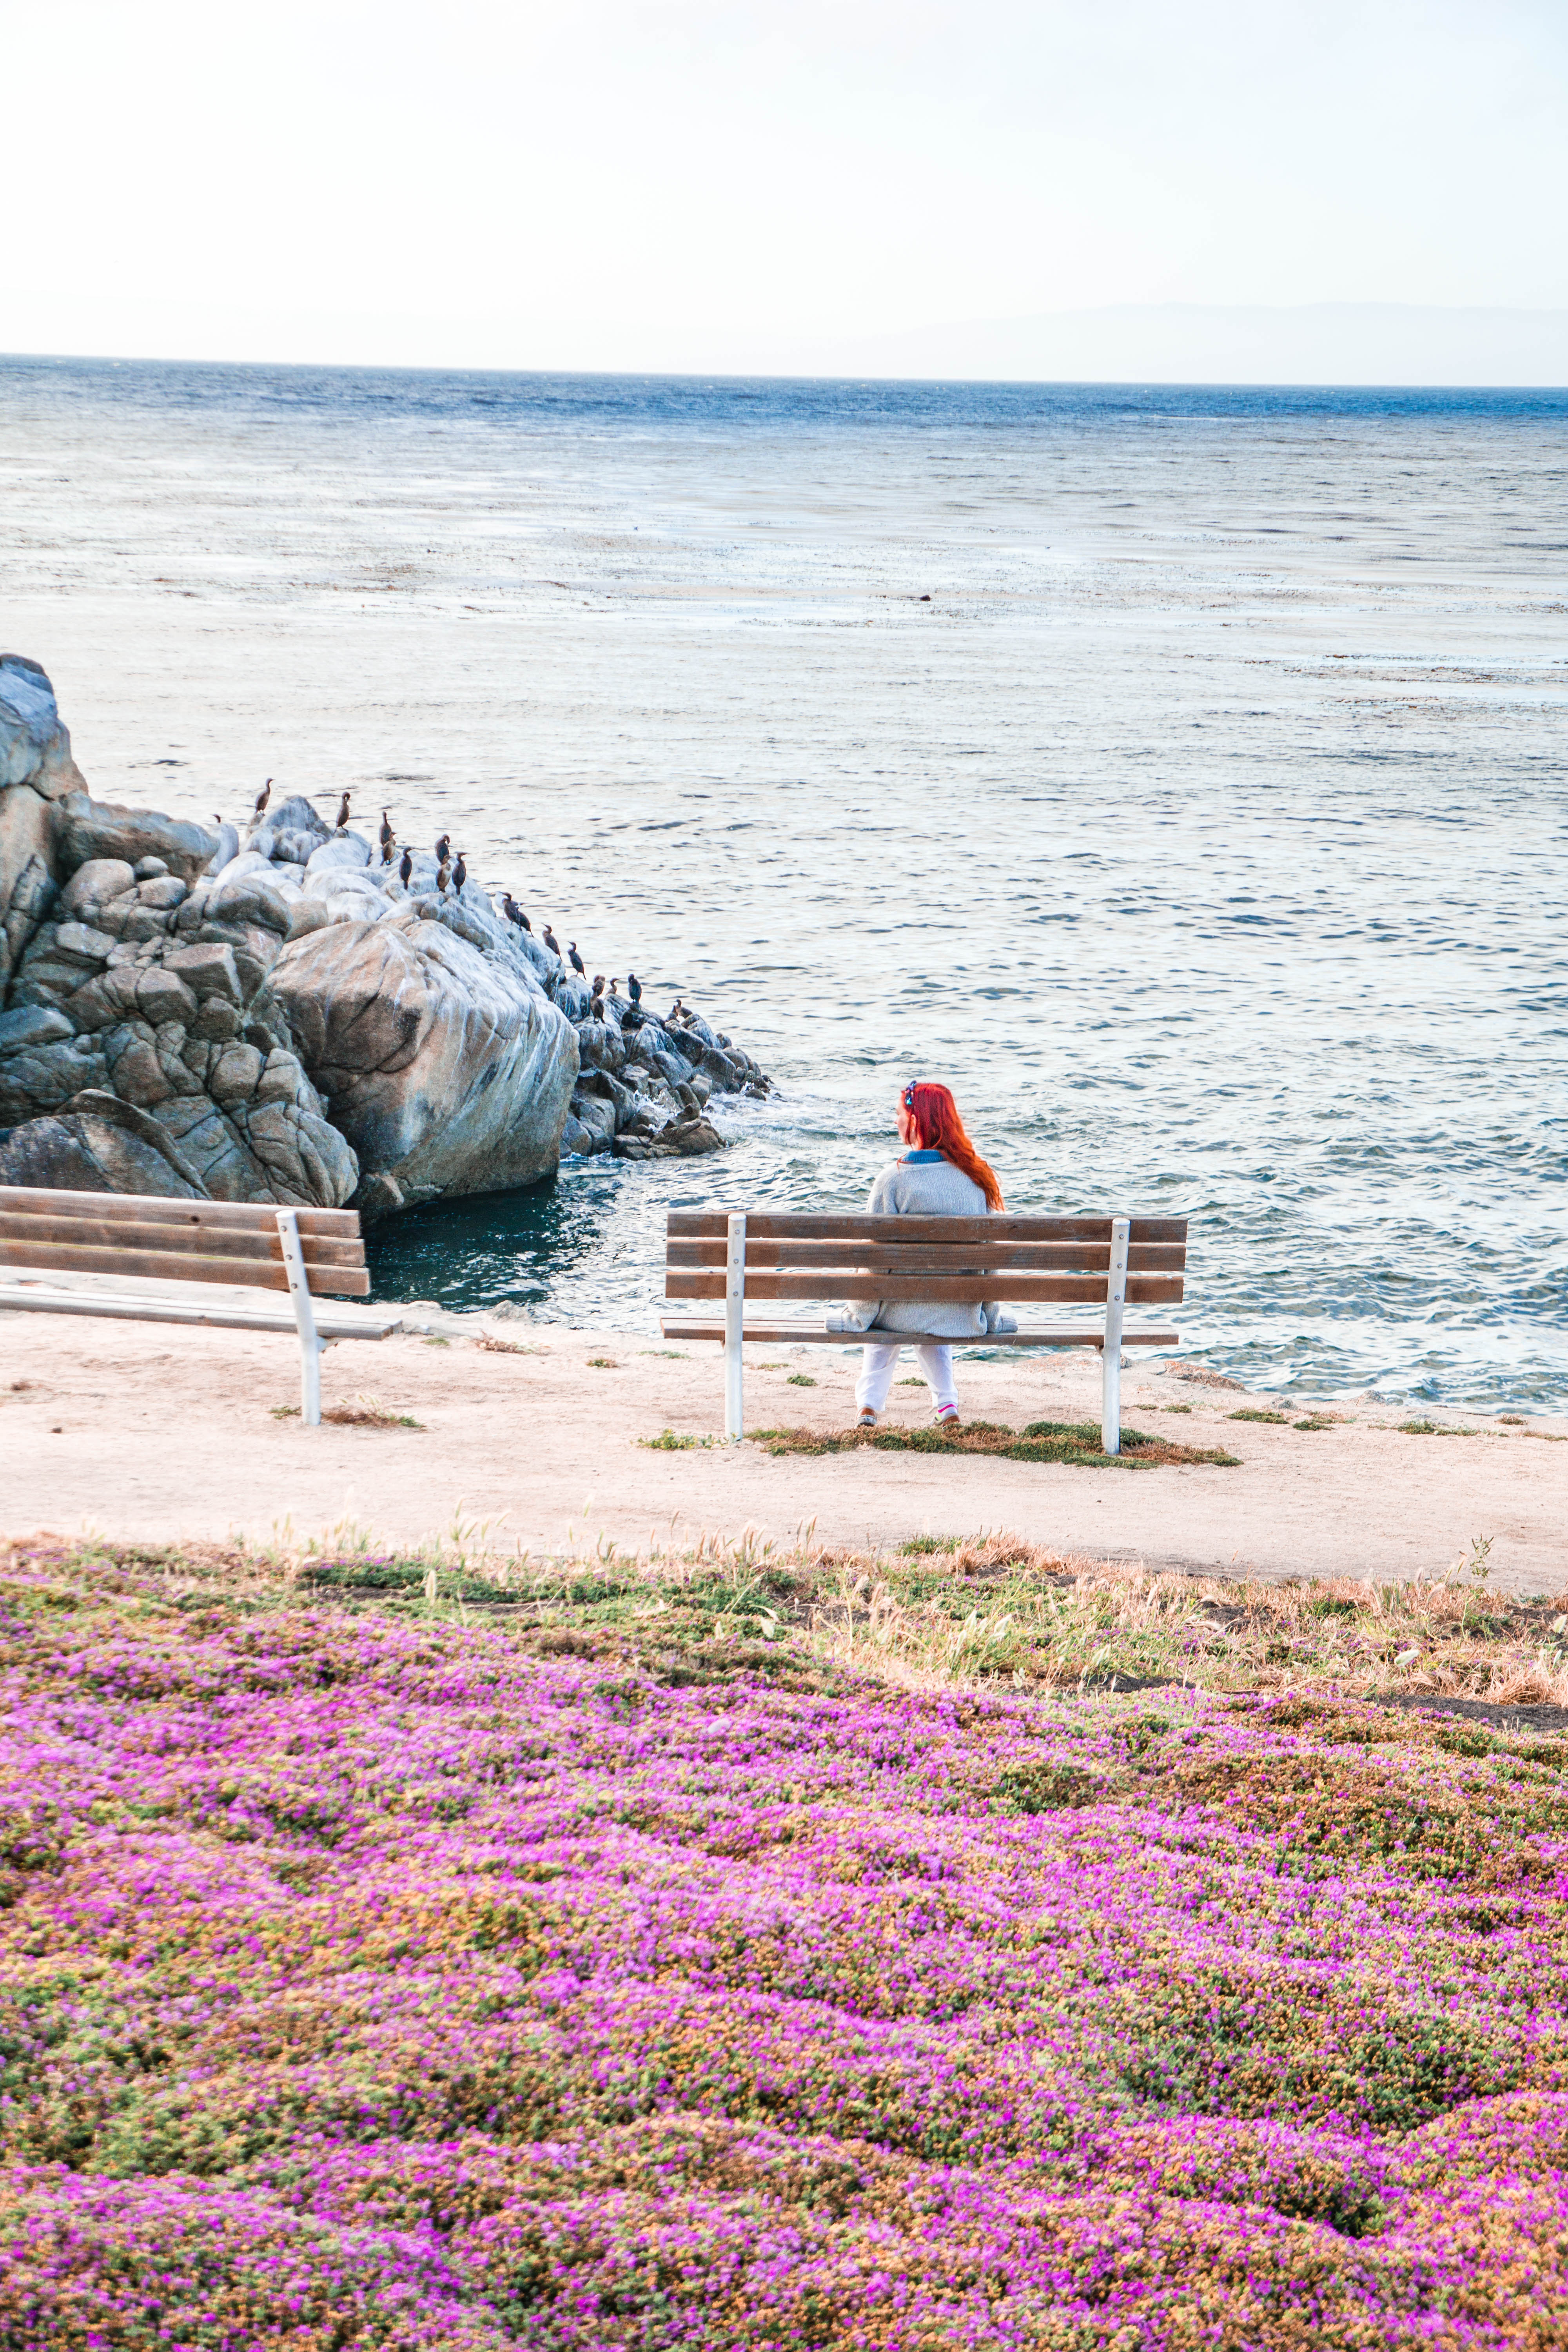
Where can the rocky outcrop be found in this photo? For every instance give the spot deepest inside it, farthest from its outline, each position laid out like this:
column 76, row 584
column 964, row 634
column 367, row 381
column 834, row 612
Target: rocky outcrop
column 279, row 1018
column 446, row 1067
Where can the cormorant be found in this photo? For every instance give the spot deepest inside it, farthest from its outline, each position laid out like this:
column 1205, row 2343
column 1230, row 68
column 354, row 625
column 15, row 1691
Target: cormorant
column 614, row 986
column 634, row 987
column 407, row 868
column 263, row 796
column 597, row 984
column 443, row 848
column 551, row 941
column 575, row 960
column 443, row 876
column 596, row 1010
column 343, row 812
column 460, row 874
column 388, row 840
column 514, row 913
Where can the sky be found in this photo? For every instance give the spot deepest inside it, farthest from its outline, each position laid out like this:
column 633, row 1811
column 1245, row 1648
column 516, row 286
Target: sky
column 689, row 185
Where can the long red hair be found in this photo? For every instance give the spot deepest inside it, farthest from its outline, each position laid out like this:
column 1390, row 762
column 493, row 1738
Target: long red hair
column 940, row 1128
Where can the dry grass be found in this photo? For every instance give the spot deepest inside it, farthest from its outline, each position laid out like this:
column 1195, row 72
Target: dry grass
column 981, row 1611
column 365, row 1412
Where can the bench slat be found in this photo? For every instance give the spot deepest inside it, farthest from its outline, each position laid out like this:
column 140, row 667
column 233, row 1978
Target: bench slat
column 1145, row 1289
column 887, row 1257
column 784, row 1335
column 103, row 1233
column 153, row 1208
column 711, row 1224
column 176, row 1265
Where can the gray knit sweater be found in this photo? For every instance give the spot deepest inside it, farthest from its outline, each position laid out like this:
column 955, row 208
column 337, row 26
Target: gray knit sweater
column 923, row 1185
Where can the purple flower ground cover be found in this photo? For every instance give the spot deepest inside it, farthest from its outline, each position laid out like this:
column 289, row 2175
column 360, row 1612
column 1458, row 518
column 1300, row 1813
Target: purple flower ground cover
column 371, row 1982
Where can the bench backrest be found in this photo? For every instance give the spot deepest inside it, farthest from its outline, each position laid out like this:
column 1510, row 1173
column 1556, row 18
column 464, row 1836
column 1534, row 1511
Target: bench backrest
column 179, row 1241
column 961, row 1260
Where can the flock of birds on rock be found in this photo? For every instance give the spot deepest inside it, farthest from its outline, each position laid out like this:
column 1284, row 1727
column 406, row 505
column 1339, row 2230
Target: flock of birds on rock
column 453, row 873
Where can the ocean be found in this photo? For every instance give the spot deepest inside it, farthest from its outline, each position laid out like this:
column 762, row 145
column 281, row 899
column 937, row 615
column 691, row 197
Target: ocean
column 1177, row 772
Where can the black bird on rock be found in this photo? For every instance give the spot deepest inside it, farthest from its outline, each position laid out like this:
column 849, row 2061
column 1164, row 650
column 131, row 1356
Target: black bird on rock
column 343, row 812
column 514, row 913
column 443, row 876
column 576, row 962
column 634, row 988
column 597, row 984
column 263, row 796
column 388, row 840
column 551, row 941
column 460, row 874
column 405, row 867
column 596, row 1010
column 443, row 849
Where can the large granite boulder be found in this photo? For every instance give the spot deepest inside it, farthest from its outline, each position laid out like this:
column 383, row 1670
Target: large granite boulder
column 447, row 1067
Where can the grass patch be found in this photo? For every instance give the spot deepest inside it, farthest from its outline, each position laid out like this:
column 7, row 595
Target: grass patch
column 1433, row 1429
column 436, row 1340
column 365, row 1412
column 912, row 1381
column 801, row 1380
column 604, row 1364
column 494, row 1347
column 673, row 1440
column 1320, row 1421
column 1256, row 1412
column 678, row 1354
column 1075, row 1442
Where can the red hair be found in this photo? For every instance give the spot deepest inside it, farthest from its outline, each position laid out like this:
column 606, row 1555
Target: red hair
column 940, row 1128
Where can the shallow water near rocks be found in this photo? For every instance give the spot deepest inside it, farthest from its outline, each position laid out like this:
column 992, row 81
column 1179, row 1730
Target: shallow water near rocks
column 1205, row 829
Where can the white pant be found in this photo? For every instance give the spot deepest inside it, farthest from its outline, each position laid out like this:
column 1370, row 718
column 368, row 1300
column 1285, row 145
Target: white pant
column 877, row 1374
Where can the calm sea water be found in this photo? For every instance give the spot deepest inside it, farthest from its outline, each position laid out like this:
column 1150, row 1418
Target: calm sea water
column 1205, row 829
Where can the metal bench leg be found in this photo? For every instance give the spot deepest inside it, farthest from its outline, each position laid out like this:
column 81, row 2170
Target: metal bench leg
column 1115, row 1308
column 311, row 1344
column 735, row 1323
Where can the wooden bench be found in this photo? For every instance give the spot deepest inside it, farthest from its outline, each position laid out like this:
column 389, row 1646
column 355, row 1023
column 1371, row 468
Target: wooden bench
column 1105, row 1264
column 165, row 1250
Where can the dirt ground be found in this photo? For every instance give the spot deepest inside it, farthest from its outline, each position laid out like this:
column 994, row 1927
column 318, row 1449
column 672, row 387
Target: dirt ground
column 150, row 1433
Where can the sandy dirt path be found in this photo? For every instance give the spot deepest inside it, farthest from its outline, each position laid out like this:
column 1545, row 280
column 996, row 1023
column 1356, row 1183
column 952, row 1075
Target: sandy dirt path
column 150, row 1433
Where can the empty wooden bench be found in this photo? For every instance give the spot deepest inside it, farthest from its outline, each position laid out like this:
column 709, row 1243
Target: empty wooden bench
column 170, row 1253
column 1102, row 1265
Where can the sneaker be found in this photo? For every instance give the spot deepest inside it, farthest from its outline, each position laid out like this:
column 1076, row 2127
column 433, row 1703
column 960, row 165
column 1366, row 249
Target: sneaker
column 867, row 1418
column 947, row 1416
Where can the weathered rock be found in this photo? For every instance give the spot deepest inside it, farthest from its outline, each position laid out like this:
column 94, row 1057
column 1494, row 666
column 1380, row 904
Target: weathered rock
column 97, row 884
column 97, row 1145
column 224, row 856
column 98, row 829
column 34, row 748
column 596, row 1117
column 346, row 849
column 447, row 1070
column 292, row 831
column 693, row 1136
column 30, row 1026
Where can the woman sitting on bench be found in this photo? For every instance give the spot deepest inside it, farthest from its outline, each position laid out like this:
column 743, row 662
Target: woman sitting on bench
column 941, row 1175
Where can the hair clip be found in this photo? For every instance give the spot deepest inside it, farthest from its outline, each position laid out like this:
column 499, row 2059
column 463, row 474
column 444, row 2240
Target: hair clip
column 909, row 1094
